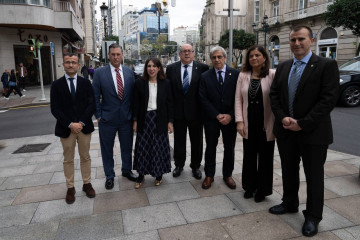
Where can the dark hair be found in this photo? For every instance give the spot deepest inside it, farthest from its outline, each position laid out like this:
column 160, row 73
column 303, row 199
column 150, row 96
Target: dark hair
column 298, row 28
column 71, row 55
column 114, row 45
column 264, row 71
column 161, row 73
column 12, row 72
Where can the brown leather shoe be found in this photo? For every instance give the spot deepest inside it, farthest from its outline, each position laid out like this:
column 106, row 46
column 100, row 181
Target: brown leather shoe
column 207, row 182
column 88, row 189
column 230, row 182
column 70, row 195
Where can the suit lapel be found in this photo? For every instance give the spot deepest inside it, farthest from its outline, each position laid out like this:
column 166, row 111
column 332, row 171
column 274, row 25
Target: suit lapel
column 215, row 81
column 65, row 85
column 310, row 67
column 194, row 75
column 110, row 78
column 178, row 76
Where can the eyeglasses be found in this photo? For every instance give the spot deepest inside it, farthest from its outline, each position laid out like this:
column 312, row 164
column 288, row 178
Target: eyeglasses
column 218, row 57
column 73, row 63
column 187, row 51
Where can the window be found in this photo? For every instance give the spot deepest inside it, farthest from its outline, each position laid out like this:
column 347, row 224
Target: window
column 276, row 9
column 256, row 11
column 302, row 6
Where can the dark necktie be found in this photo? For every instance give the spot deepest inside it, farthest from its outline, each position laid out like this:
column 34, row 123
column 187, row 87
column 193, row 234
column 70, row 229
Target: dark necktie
column 293, row 84
column 119, row 84
column 221, row 80
column 186, row 82
column 72, row 88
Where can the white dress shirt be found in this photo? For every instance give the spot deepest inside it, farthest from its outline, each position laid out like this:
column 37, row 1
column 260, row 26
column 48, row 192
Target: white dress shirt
column 189, row 69
column 152, row 96
column 68, row 81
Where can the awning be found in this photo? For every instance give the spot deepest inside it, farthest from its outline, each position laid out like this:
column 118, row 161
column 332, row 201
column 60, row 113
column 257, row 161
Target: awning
column 69, row 42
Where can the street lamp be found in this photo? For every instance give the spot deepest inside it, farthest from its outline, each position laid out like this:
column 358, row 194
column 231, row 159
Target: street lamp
column 255, row 30
column 104, row 12
column 264, row 28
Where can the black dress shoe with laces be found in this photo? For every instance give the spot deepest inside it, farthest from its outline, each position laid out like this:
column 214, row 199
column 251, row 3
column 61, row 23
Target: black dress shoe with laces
column 280, row 209
column 177, row 171
column 129, row 175
column 309, row 228
column 196, row 173
column 109, row 184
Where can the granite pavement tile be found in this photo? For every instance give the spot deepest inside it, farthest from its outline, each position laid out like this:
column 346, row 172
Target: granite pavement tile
column 97, row 226
column 37, row 231
column 195, row 231
column 26, row 181
column 320, row 236
column 339, row 168
column 8, row 196
column 60, row 178
column 10, row 162
column 49, row 167
column 348, row 207
column 152, row 217
column 351, row 233
column 17, row 170
column 59, row 209
column 115, row 201
column 217, row 187
column 171, row 193
column 208, row 208
column 353, row 161
column 258, row 225
column 334, row 156
column 2, row 180
column 17, row 215
column 150, row 235
column 31, row 158
column 344, row 186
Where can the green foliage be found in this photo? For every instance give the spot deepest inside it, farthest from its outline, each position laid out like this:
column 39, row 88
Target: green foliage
column 171, row 47
column 159, row 45
column 111, row 38
column 145, row 48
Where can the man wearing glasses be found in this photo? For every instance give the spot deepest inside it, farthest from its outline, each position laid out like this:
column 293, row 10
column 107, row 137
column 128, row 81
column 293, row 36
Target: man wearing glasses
column 184, row 77
column 217, row 94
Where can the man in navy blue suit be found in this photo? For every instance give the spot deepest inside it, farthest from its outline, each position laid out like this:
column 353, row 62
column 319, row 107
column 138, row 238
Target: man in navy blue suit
column 73, row 104
column 113, row 87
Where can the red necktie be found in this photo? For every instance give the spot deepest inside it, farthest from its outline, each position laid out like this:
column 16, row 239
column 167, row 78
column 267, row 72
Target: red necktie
column 120, row 85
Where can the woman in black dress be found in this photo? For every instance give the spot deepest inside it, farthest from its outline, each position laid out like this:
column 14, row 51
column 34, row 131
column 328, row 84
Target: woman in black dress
column 153, row 117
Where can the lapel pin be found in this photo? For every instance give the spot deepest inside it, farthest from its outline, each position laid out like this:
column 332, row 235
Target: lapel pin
column 312, row 65
column 230, row 74
column 195, row 67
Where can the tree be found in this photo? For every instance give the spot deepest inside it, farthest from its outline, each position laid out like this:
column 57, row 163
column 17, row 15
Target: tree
column 171, row 47
column 159, row 45
column 108, row 38
column 241, row 41
column 145, row 48
column 344, row 13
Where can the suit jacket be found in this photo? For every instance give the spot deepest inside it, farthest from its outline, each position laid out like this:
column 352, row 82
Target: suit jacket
column 186, row 106
column 66, row 110
column 164, row 111
column 109, row 107
column 315, row 97
column 18, row 71
column 215, row 101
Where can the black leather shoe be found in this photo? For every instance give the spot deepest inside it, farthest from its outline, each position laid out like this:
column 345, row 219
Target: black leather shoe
column 130, row 176
column 196, row 173
column 280, row 209
column 309, row 228
column 259, row 198
column 248, row 194
column 109, row 184
column 177, row 171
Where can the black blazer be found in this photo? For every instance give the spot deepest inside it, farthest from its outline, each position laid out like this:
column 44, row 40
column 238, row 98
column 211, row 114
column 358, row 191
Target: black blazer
column 66, row 110
column 215, row 101
column 316, row 96
column 186, row 106
column 164, row 111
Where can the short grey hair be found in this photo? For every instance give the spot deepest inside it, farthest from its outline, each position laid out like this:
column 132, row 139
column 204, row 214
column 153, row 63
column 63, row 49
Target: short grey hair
column 186, row 44
column 218, row 48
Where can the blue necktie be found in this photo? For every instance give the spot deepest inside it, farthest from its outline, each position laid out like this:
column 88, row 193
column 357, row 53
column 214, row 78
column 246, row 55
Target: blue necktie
column 221, row 81
column 186, row 83
column 72, row 87
column 293, row 84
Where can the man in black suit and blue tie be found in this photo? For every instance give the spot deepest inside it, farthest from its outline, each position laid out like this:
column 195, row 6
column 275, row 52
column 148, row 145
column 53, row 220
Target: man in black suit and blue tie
column 217, row 95
column 72, row 103
column 113, row 86
column 303, row 94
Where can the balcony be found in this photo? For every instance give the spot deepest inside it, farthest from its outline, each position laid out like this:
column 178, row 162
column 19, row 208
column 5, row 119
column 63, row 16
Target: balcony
column 274, row 20
column 307, row 12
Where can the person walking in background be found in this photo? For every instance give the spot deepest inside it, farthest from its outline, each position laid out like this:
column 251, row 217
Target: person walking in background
column 5, row 81
column 113, row 84
column 13, row 85
column 304, row 92
column 21, row 71
column 184, row 78
column 254, row 122
column 217, row 94
column 72, row 103
column 153, row 117
column 85, row 72
column 91, row 71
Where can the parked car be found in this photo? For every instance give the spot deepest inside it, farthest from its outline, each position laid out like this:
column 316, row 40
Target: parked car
column 350, row 82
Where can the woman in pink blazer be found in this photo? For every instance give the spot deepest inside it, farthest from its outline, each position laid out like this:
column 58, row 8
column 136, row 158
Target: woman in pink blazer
column 255, row 121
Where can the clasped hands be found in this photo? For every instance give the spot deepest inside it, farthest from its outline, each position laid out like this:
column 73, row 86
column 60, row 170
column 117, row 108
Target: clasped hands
column 224, row 119
column 76, row 127
column 290, row 124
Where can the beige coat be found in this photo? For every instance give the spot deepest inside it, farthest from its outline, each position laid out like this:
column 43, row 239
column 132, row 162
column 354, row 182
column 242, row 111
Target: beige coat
column 241, row 102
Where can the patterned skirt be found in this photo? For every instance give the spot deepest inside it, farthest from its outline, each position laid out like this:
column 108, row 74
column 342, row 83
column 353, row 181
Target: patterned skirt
column 152, row 150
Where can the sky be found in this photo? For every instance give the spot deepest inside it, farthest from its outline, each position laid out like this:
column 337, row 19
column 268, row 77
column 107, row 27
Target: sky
column 185, row 13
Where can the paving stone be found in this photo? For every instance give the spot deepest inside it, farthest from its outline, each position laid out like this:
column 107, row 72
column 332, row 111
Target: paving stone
column 339, row 168
column 42, row 158
column 320, row 236
column 38, row 231
column 41, row 193
column 49, row 167
column 351, row 233
column 91, row 227
column 343, row 186
column 171, row 193
column 257, row 225
column 17, row 170
column 348, row 207
column 26, row 181
column 354, row 161
column 17, row 215
column 8, row 196
column 114, row 201
column 2, row 180
column 152, row 217
column 150, row 235
column 58, row 209
column 334, row 156
column 60, row 178
column 331, row 220
column 217, row 187
column 9, row 162
column 196, row 231
column 249, row 205
column 208, row 208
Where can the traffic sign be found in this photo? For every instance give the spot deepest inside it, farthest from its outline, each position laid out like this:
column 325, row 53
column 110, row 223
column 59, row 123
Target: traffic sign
column 52, row 48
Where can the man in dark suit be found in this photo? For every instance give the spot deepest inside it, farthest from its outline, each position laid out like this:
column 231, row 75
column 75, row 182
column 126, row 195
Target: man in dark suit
column 303, row 94
column 73, row 104
column 217, row 94
column 113, row 84
column 184, row 78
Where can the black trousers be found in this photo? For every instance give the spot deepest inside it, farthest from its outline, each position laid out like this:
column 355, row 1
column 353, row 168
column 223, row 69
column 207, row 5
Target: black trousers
column 258, row 163
column 22, row 81
column 11, row 88
column 212, row 134
column 313, row 157
column 196, row 139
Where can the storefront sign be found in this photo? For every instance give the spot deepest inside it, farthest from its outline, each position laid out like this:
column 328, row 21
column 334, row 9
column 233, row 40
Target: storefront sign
column 37, row 37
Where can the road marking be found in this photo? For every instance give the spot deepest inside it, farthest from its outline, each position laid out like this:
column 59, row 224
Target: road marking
column 34, row 106
column 2, row 111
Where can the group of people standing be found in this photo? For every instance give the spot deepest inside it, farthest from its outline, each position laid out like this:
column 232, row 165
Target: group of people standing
column 14, row 80
column 291, row 105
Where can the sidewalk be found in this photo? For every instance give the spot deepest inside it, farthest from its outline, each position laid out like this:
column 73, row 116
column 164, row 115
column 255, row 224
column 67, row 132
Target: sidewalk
column 32, row 199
